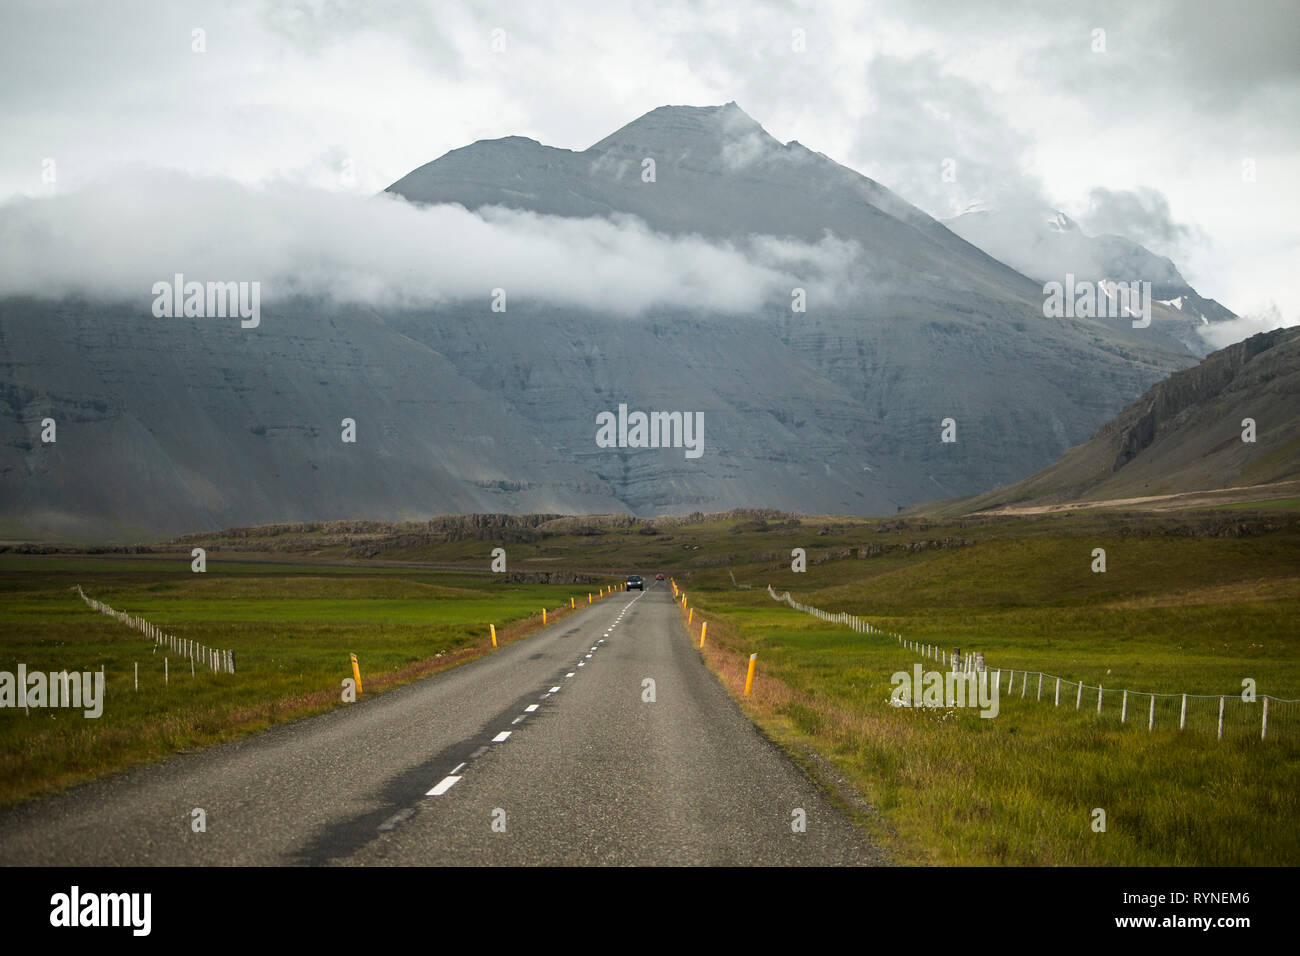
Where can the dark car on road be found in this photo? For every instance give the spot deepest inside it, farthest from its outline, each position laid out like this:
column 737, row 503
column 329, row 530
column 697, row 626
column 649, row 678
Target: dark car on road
column 634, row 581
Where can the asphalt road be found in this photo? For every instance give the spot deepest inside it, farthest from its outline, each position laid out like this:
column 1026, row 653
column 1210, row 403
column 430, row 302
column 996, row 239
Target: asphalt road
column 544, row 752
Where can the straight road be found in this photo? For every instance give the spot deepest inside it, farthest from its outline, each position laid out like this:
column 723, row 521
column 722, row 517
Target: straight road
column 548, row 751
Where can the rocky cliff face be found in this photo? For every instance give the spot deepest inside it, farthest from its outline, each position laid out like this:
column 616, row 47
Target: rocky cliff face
column 1187, row 433
column 173, row 425
column 1182, row 399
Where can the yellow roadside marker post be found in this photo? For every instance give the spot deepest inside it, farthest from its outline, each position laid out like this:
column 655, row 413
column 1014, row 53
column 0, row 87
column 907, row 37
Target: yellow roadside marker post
column 571, row 604
column 356, row 672
column 704, row 629
column 749, row 678
column 494, row 634
column 690, row 616
column 543, row 617
column 588, row 597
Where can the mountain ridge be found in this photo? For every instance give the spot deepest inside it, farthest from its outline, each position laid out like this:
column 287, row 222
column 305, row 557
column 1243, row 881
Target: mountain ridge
column 1047, row 244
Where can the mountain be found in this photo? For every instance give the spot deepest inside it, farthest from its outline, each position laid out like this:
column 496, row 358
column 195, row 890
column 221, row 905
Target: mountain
column 1183, row 435
column 185, row 424
column 1047, row 244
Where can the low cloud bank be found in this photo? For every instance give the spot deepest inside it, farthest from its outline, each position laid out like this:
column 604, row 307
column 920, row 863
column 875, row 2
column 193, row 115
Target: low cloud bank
column 116, row 238
column 1222, row 334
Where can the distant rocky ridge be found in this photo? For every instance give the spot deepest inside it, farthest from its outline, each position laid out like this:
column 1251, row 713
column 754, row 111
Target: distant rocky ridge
column 1049, row 244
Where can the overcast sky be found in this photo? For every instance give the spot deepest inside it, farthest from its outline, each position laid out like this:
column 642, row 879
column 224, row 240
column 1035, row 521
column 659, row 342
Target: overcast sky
column 1148, row 138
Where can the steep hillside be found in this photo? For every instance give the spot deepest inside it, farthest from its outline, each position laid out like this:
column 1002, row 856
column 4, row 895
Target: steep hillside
column 1184, row 435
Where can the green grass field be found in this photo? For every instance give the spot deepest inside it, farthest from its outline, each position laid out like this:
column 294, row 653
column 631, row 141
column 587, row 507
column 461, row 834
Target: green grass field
column 292, row 628
column 1171, row 614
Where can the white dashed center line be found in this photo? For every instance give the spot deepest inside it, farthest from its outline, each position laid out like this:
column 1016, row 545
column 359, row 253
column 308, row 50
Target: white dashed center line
column 554, row 690
column 530, row 708
column 445, row 784
column 501, row 736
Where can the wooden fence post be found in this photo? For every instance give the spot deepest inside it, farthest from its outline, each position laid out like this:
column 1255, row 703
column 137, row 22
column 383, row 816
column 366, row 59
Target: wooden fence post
column 1263, row 730
column 1151, row 720
column 1182, row 717
column 1220, row 718
column 1058, row 692
column 1123, row 707
column 1078, row 701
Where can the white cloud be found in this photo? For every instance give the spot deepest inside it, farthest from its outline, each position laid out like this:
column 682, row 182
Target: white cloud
column 115, row 238
column 1222, row 334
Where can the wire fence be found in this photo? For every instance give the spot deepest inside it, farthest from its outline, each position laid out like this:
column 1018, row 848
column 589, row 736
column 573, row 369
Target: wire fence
column 217, row 660
column 1224, row 715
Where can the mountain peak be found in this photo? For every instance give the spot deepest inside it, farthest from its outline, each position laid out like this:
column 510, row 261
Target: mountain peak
column 1060, row 222
column 687, row 126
